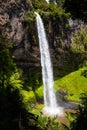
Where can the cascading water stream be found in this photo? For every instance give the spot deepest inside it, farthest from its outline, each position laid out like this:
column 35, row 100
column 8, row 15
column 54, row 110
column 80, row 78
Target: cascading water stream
column 50, row 102
column 48, row 1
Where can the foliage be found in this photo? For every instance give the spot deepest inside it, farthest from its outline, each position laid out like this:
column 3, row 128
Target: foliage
column 6, row 63
column 79, row 42
column 42, row 7
column 53, row 11
column 14, row 101
column 80, row 123
column 30, row 23
column 79, row 46
column 48, row 123
column 72, row 83
column 42, row 121
column 31, row 82
column 30, row 18
column 32, row 79
column 9, row 97
column 38, row 4
column 15, row 80
column 37, row 109
column 71, row 117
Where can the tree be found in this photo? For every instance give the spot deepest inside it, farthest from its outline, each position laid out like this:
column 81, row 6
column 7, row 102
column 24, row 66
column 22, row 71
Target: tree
column 79, row 47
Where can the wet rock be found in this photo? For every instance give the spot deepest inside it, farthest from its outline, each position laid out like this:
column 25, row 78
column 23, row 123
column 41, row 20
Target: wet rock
column 63, row 102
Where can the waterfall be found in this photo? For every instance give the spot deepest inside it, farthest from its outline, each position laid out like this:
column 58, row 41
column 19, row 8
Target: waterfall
column 48, row 1
column 50, row 102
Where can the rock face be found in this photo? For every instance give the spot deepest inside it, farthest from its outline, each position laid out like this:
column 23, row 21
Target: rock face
column 14, row 27
column 23, row 36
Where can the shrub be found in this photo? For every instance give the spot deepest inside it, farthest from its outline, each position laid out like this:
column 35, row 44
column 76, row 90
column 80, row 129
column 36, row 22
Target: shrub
column 79, row 45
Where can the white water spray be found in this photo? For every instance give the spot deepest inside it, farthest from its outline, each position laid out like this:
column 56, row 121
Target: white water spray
column 48, row 1
column 51, row 106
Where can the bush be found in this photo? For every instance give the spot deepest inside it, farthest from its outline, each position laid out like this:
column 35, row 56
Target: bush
column 81, row 121
column 79, row 46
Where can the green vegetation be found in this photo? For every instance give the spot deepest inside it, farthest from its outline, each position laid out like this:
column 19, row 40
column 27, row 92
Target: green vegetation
column 79, row 47
column 6, row 63
column 80, row 122
column 30, row 18
column 13, row 102
column 9, row 94
column 74, row 83
column 48, row 123
column 21, row 92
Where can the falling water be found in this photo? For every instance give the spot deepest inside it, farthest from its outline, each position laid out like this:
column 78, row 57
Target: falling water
column 51, row 106
column 48, row 1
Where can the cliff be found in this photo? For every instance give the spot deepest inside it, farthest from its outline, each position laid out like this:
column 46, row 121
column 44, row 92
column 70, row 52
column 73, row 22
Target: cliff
column 16, row 28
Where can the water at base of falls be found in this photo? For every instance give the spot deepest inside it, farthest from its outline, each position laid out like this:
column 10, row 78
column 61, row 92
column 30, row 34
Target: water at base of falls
column 48, row 111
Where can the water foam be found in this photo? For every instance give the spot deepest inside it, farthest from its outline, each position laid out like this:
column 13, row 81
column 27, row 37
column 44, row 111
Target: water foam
column 58, row 111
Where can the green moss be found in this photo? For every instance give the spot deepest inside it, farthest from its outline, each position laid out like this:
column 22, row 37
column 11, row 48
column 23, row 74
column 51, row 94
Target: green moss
column 74, row 83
